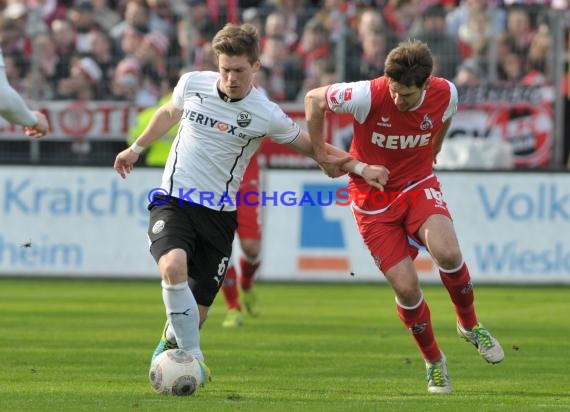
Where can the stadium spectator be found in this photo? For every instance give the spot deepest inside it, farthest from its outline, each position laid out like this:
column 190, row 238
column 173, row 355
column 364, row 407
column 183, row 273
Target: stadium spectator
column 369, row 20
column 48, row 61
column 321, row 72
column 13, row 37
column 205, row 59
column 285, row 73
column 106, row 17
column 406, row 101
column 444, row 48
column 314, row 44
column 401, row 16
column 130, row 41
column 539, row 58
column 370, row 63
column 51, row 10
column 103, row 52
column 295, row 15
column 276, row 26
column 63, row 35
column 474, row 35
column 202, row 22
column 14, row 67
column 82, row 16
column 198, row 247
column 162, row 17
column 519, row 30
column 460, row 15
column 152, row 58
column 83, row 81
column 18, row 12
column 127, row 83
column 333, row 15
column 136, row 16
column 252, row 16
column 469, row 73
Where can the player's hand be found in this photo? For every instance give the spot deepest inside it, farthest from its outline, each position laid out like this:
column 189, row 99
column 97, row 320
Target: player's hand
column 376, row 176
column 40, row 128
column 332, row 164
column 125, row 161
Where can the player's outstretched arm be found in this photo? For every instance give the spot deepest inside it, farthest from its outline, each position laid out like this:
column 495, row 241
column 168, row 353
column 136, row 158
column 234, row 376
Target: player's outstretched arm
column 331, row 162
column 14, row 110
column 315, row 108
column 160, row 123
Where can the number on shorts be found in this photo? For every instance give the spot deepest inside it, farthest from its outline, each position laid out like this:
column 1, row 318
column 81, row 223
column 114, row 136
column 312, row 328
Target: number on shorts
column 222, row 266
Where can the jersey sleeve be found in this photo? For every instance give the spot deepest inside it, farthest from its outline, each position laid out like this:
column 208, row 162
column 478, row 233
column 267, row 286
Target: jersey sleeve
column 354, row 98
column 282, row 128
column 452, row 106
column 178, row 93
column 12, row 106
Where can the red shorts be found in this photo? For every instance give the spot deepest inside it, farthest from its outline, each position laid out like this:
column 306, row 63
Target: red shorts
column 386, row 234
column 249, row 216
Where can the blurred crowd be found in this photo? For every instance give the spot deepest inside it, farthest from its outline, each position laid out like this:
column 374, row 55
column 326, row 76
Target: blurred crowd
column 135, row 50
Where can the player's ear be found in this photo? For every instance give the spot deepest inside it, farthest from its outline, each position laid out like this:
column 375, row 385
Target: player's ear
column 426, row 84
column 256, row 65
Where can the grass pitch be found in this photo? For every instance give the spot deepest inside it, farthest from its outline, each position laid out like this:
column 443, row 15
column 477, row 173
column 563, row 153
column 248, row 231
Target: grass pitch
column 84, row 345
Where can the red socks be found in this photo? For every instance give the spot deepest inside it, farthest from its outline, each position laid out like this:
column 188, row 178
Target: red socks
column 458, row 284
column 418, row 322
column 230, row 289
column 248, row 270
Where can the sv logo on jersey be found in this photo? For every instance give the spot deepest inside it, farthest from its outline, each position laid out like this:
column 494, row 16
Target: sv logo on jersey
column 400, row 141
column 244, row 119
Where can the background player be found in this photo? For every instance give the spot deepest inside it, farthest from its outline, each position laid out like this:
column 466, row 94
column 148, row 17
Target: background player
column 249, row 234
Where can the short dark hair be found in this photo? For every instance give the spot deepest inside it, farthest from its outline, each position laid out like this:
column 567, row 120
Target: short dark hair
column 237, row 40
column 409, row 64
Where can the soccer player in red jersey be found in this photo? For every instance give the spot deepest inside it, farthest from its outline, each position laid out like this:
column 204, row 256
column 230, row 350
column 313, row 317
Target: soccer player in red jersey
column 400, row 120
column 249, row 234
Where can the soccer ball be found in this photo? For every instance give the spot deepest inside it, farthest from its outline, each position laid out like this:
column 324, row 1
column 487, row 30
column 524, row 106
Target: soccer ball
column 175, row 372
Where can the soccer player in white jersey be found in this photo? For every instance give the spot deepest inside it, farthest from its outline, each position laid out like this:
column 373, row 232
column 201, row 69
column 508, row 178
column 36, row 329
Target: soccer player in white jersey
column 223, row 119
column 14, row 109
column 400, row 120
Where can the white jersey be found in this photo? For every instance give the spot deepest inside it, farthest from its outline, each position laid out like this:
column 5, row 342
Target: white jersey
column 216, row 140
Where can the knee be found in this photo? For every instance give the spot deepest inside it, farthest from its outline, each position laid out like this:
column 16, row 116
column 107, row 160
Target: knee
column 173, row 269
column 409, row 296
column 449, row 258
column 251, row 248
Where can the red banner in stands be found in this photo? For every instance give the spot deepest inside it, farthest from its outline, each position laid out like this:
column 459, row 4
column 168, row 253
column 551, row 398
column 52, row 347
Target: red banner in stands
column 523, row 115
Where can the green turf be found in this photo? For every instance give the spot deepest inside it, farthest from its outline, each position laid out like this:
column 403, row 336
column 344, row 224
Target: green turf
column 84, row 345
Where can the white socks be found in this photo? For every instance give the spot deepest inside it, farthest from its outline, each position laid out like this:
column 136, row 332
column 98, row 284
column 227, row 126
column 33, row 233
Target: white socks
column 183, row 317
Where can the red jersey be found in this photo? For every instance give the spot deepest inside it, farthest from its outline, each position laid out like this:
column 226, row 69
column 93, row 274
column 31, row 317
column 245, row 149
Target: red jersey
column 384, row 135
column 251, row 174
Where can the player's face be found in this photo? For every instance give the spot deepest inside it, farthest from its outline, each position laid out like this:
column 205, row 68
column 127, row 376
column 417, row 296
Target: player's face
column 236, row 75
column 405, row 97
